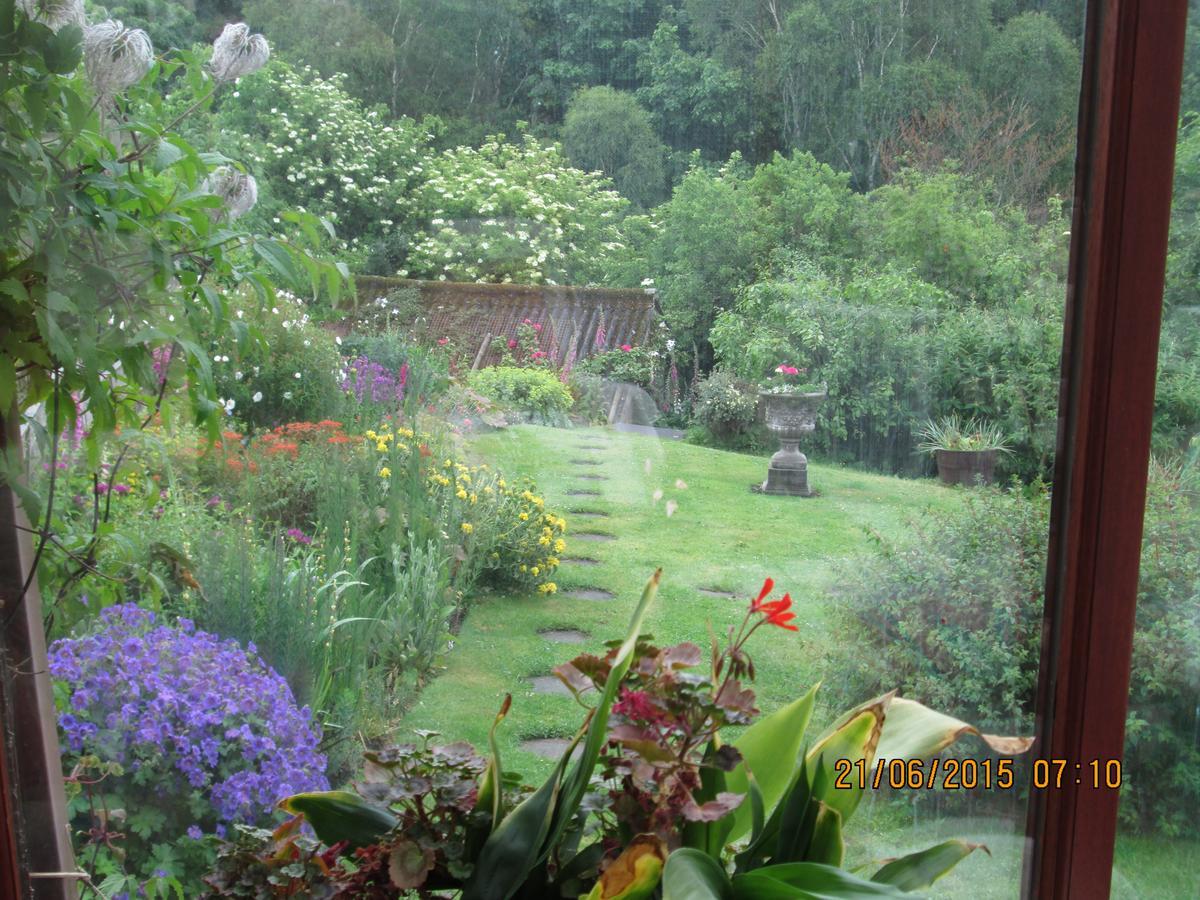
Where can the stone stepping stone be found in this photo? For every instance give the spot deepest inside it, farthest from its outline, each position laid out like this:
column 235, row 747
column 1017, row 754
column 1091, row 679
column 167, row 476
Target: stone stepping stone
column 547, row 748
column 587, row 513
column 548, row 684
column 593, row 536
column 580, row 560
column 585, row 462
column 563, row 636
column 589, row 594
column 718, row 592
column 590, row 477
column 583, row 492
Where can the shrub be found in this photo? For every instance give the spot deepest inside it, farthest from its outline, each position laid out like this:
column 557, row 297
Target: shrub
column 637, row 365
column 953, row 617
column 199, row 732
column 288, row 370
column 534, row 391
column 895, row 351
column 725, row 407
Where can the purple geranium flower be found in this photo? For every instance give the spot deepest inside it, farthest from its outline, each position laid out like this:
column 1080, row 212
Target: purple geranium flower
column 187, row 712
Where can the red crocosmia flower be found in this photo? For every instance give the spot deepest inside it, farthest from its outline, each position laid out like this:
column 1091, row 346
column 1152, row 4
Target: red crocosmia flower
column 768, row 586
column 779, row 613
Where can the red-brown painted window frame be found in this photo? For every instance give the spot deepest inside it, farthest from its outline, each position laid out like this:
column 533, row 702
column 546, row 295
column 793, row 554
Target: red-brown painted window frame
column 1133, row 58
column 1129, row 109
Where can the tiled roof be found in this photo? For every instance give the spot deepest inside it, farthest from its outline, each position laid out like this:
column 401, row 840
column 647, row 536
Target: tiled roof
column 473, row 314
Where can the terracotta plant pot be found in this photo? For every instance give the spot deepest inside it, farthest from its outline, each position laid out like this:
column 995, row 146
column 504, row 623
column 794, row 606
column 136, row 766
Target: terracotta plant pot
column 966, row 467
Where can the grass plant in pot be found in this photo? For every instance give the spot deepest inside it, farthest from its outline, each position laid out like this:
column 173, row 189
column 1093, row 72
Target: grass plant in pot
column 790, row 412
column 966, row 451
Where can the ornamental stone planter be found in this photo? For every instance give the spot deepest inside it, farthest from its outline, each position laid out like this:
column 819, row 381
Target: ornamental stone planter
column 966, row 467
column 789, row 417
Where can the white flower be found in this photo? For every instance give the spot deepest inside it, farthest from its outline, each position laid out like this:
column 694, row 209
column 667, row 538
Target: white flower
column 115, row 57
column 257, row 396
column 297, row 376
column 227, row 405
column 287, row 395
column 238, row 190
column 237, row 52
column 54, row 14
column 237, row 376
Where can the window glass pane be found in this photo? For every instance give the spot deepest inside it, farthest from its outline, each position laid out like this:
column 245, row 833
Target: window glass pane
column 1159, row 829
column 768, row 295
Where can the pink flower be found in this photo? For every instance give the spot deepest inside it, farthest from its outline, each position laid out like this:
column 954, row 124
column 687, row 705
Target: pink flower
column 442, row 342
column 626, row 347
column 537, row 326
column 537, row 354
column 512, row 343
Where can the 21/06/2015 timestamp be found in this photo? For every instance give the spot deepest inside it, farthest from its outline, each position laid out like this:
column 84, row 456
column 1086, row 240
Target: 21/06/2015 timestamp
column 968, row 774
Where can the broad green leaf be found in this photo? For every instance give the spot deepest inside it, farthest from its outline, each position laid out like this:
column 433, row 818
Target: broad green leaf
column 826, row 845
column 693, row 875
column 63, row 51
column 342, row 816
column 769, row 748
column 919, row 870
column 853, row 737
column 914, row 731
column 807, row 881
column 528, row 834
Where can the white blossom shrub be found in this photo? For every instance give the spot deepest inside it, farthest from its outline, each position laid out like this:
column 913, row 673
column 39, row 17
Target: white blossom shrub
column 517, row 212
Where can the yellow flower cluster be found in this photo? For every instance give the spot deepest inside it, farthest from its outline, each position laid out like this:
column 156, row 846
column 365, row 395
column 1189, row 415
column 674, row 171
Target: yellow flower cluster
column 512, row 534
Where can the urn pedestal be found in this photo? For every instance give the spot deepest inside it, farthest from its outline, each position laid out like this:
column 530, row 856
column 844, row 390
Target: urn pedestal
column 789, row 417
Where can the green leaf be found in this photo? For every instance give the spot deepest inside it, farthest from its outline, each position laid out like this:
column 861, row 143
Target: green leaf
column 769, row 749
column 63, row 51
column 278, row 258
column 807, row 881
column 913, row 731
column 693, row 875
column 826, row 845
column 528, row 834
column 919, row 870
column 342, row 816
column 8, row 382
column 853, row 737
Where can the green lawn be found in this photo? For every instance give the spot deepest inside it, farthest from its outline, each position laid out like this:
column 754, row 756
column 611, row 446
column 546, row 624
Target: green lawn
column 720, row 536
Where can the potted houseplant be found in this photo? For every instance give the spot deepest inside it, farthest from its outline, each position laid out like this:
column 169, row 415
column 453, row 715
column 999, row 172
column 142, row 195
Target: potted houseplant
column 965, row 451
column 789, row 405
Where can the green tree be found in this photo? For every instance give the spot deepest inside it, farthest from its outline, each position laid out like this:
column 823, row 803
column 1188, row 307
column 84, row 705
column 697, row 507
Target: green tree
column 703, row 255
column 1033, row 45
column 607, row 131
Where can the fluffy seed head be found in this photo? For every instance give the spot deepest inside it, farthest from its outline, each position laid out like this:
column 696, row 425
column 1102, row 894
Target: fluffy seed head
column 238, row 190
column 115, row 57
column 237, row 52
column 54, row 14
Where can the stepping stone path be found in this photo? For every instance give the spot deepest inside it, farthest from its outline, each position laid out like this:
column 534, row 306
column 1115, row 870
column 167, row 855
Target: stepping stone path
column 589, row 594
column 564, row 636
column 547, row 748
column 718, row 592
column 548, row 684
column 552, row 747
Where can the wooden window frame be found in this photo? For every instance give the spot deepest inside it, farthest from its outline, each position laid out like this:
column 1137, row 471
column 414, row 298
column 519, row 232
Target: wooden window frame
column 1129, row 110
column 1132, row 70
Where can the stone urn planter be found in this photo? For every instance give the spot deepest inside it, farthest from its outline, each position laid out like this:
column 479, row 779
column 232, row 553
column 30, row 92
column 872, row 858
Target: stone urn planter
column 789, row 417
column 966, row 467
